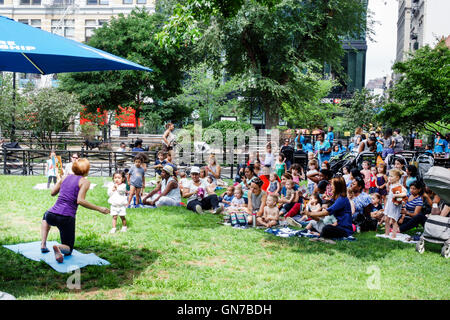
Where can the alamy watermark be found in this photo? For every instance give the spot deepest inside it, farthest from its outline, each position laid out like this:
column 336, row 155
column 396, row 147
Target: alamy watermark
column 194, row 148
column 374, row 280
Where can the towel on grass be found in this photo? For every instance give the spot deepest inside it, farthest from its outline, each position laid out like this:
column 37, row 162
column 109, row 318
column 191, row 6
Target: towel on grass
column 399, row 237
column 288, row 232
column 43, row 186
column 32, row 250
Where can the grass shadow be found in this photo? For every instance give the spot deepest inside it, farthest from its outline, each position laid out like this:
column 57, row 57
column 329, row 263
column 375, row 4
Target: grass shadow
column 23, row 277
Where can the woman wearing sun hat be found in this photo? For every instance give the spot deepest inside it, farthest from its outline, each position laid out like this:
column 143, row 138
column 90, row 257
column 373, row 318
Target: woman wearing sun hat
column 170, row 191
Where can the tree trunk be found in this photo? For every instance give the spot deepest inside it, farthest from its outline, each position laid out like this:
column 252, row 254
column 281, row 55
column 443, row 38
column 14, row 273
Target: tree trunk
column 272, row 116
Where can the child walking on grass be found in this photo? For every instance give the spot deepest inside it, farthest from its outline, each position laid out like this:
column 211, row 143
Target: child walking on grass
column 118, row 200
column 136, row 181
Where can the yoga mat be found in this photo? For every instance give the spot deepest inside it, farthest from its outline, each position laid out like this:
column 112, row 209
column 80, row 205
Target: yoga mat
column 32, row 250
column 399, row 237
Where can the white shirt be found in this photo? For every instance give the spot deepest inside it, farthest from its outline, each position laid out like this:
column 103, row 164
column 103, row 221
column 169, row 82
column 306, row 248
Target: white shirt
column 193, row 188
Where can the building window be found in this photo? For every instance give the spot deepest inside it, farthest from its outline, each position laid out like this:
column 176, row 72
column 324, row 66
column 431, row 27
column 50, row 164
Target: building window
column 97, row 2
column 31, row 22
column 91, row 25
column 124, row 1
column 65, row 28
column 30, row 2
column 141, row 1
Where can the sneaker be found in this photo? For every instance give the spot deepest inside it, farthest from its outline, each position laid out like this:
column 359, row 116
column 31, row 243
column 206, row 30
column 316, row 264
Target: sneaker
column 130, row 206
column 293, row 223
column 199, row 209
column 218, row 210
column 113, row 230
column 124, row 229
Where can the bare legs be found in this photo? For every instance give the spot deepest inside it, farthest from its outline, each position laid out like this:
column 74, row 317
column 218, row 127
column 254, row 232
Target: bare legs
column 45, row 228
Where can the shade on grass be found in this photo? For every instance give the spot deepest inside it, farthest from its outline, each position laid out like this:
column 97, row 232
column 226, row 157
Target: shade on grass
column 172, row 253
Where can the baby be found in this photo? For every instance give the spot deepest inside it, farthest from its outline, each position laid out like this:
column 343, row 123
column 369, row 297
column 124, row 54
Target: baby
column 377, row 210
column 238, row 199
column 274, row 186
column 271, row 214
column 315, row 227
column 314, row 205
column 228, row 196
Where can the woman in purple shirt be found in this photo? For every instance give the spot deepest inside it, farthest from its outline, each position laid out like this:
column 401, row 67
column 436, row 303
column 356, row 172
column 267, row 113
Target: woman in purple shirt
column 72, row 192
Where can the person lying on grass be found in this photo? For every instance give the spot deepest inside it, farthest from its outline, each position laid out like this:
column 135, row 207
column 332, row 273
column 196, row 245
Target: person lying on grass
column 72, row 192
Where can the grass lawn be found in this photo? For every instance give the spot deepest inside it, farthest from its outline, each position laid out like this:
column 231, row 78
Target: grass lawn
column 173, row 253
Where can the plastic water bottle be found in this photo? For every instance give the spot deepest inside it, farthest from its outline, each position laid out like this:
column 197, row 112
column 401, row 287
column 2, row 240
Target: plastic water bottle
column 254, row 219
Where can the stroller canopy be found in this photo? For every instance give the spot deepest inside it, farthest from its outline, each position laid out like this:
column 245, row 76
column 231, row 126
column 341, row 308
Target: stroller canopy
column 438, row 180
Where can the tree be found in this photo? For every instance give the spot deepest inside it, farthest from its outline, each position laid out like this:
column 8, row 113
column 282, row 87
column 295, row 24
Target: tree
column 360, row 110
column 131, row 37
column 206, row 95
column 421, row 98
column 276, row 48
column 48, row 111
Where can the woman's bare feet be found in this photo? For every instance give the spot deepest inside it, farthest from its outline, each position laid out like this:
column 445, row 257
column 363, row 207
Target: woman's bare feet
column 58, row 255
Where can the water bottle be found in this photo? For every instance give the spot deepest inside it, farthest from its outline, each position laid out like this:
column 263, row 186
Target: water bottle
column 254, row 219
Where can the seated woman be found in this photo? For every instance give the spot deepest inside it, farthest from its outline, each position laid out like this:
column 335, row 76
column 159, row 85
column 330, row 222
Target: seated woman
column 200, row 196
column 340, row 209
column 166, row 192
column 412, row 208
column 361, row 199
column 256, row 200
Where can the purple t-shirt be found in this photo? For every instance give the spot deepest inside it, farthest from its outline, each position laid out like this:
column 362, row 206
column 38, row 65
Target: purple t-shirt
column 66, row 205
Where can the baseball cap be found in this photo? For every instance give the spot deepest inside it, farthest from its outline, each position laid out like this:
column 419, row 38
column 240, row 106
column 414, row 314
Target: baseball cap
column 195, row 170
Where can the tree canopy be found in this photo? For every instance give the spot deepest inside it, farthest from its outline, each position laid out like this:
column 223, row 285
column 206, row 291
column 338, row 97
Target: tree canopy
column 276, row 48
column 421, row 97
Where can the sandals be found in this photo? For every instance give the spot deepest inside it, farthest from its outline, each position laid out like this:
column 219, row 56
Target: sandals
column 44, row 250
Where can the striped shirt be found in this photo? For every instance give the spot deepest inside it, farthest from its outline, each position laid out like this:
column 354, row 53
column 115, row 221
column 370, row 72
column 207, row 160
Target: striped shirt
column 410, row 206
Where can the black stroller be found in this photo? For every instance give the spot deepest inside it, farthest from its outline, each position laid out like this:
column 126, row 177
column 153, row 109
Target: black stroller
column 437, row 228
column 341, row 161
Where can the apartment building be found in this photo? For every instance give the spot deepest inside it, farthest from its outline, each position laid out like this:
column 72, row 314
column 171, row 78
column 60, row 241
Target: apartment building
column 73, row 19
column 420, row 23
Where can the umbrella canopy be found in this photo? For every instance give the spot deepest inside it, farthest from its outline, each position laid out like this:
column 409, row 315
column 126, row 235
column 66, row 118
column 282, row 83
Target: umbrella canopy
column 30, row 50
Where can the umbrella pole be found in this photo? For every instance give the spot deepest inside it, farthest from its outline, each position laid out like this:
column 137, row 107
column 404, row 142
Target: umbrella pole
column 13, row 115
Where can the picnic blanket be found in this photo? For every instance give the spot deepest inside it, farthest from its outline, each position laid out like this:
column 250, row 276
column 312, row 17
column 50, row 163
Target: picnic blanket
column 32, row 250
column 287, row 232
column 399, row 237
column 43, row 186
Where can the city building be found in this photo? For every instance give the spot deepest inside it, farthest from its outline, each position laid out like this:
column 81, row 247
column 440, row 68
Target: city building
column 73, row 19
column 419, row 24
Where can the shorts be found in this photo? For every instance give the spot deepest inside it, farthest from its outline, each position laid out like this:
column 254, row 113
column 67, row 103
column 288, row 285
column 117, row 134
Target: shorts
column 118, row 211
column 66, row 226
column 317, row 225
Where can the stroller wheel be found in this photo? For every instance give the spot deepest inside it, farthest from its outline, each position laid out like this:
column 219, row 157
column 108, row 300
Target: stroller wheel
column 420, row 246
column 445, row 252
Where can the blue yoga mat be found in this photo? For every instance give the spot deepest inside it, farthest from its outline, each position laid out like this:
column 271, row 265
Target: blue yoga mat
column 32, row 250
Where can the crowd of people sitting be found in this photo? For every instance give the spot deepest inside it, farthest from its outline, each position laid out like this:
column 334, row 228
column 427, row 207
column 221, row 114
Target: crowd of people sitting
column 270, row 190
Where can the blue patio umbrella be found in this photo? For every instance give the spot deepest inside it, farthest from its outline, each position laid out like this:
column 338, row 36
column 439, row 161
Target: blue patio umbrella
column 30, row 50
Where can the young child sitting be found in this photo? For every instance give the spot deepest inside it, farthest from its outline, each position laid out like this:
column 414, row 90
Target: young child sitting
column 183, row 182
column 314, row 205
column 274, row 186
column 287, row 200
column 297, row 173
column 159, row 164
column 228, row 197
column 238, row 200
column 377, row 210
column 271, row 214
column 315, row 227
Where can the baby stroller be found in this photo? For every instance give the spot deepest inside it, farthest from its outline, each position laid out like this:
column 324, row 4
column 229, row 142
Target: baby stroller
column 337, row 163
column 365, row 156
column 437, row 228
column 423, row 162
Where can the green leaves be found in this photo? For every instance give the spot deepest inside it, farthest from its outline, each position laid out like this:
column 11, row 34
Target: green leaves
column 422, row 95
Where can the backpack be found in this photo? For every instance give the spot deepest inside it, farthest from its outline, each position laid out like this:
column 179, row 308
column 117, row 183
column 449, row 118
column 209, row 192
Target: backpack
column 238, row 219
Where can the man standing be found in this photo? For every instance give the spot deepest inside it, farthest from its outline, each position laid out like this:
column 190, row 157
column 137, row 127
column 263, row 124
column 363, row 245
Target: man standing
column 288, row 152
column 398, row 146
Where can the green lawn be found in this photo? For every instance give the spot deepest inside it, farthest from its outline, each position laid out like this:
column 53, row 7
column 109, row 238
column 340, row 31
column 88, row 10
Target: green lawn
column 173, row 253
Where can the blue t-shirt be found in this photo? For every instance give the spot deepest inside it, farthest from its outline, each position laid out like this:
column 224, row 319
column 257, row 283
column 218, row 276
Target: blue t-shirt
column 296, row 141
column 342, row 211
column 308, row 147
column 439, row 147
column 361, row 201
column 136, row 176
column 322, row 146
column 227, row 198
column 158, row 171
column 330, row 137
